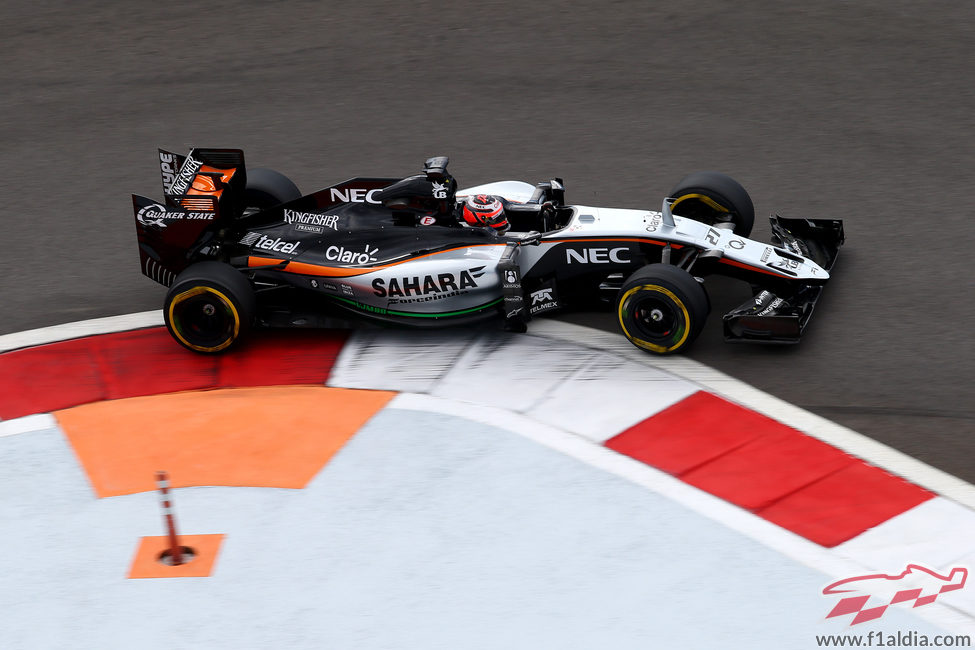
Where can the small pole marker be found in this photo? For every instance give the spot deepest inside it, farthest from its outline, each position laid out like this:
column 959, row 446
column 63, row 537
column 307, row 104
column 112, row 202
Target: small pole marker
column 175, row 554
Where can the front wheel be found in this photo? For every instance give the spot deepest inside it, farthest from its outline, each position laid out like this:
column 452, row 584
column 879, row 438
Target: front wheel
column 662, row 308
column 714, row 198
column 209, row 307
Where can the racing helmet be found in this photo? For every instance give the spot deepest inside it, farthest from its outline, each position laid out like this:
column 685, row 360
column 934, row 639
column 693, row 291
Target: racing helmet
column 482, row 210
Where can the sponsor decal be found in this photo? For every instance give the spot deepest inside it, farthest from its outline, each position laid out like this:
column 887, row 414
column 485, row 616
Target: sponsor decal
column 867, row 597
column 157, row 215
column 713, row 236
column 768, row 251
column 598, row 255
column 784, row 263
column 425, row 288
column 775, row 304
column 277, row 245
column 353, row 195
column 310, row 221
column 439, row 190
column 167, row 166
column 186, row 175
column 737, row 244
column 347, row 290
column 250, row 238
column 511, row 277
column 542, row 300
column 428, row 221
column 369, row 308
column 341, row 254
column 314, row 284
column 654, row 220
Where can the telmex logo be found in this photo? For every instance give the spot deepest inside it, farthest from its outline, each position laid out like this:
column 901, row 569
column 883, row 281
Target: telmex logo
column 542, row 295
column 354, row 195
column 597, row 255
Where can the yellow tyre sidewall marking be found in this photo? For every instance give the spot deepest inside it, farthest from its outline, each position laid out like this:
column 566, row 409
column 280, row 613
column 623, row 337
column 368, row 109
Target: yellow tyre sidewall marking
column 706, row 200
column 647, row 345
column 196, row 291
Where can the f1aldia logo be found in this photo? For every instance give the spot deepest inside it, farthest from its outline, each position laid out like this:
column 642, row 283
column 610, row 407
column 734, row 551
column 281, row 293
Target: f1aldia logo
column 916, row 585
column 417, row 285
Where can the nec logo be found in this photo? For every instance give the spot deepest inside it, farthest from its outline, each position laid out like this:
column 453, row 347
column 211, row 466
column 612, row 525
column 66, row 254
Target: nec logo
column 598, row 255
column 353, row 195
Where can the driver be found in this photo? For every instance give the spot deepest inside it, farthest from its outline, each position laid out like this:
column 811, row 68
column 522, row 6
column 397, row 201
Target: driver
column 485, row 211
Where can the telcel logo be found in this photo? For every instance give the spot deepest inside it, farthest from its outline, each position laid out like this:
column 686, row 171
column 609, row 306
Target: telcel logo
column 597, row 255
column 277, row 245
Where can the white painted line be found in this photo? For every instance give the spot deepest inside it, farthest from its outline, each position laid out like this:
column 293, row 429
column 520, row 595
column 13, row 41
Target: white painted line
column 79, row 329
column 27, row 424
column 857, row 444
column 584, row 450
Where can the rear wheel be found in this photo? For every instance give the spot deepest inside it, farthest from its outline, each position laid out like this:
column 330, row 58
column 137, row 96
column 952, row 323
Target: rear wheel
column 662, row 308
column 209, row 307
column 714, row 198
column 267, row 188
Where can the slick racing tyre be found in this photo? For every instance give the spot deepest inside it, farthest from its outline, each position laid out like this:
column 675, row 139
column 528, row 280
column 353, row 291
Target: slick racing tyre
column 714, row 198
column 662, row 308
column 209, row 307
column 267, row 188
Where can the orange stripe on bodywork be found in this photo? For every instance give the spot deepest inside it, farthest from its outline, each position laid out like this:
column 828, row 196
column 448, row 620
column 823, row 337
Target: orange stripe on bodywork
column 303, row 268
column 258, row 437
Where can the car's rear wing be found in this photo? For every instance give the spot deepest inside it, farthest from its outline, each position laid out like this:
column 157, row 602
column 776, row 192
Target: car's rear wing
column 201, row 190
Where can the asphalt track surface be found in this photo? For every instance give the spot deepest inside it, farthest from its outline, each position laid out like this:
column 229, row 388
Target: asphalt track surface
column 863, row 111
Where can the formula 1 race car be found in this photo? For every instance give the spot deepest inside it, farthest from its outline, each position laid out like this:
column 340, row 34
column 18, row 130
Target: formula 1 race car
column 239, row 248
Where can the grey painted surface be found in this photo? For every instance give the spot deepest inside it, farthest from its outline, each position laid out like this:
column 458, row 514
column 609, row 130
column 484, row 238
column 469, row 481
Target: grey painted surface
column 425, row 531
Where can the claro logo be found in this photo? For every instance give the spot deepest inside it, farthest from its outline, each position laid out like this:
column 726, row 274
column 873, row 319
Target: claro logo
column 598, row 255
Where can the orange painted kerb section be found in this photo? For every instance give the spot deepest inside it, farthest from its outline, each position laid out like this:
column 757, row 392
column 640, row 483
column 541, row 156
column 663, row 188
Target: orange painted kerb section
column 277, row 436
column 146, row 562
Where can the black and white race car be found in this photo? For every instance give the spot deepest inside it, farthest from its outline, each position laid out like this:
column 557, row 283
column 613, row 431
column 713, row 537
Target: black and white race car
column 239, row 248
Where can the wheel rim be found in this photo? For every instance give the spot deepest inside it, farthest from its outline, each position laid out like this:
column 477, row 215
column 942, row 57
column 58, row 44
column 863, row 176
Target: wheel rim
column 654, row 318
column 204, row 319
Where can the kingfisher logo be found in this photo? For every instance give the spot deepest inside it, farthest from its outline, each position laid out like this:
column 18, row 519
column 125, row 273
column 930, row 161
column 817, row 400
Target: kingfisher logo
column 915, row 584
column 186, row 175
